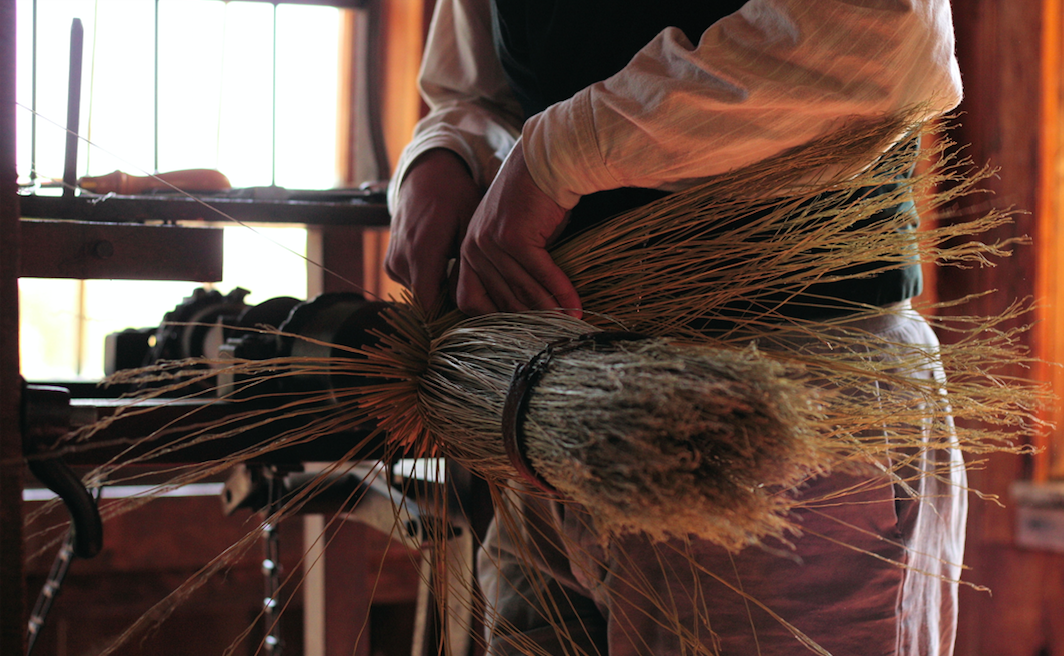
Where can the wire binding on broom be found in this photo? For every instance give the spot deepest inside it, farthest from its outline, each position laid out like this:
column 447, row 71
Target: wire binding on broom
column 526, row 377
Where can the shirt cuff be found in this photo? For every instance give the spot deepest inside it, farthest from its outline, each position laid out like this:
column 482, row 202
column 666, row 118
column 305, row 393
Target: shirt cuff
column 442, row 137
column 562, row 151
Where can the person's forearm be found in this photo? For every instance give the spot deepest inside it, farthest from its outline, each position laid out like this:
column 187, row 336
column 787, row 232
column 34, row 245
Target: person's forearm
column 774, row 75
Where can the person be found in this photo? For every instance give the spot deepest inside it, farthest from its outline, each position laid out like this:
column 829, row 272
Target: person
column 548, row 115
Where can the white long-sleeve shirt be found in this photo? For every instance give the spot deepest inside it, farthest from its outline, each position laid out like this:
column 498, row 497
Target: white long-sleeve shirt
column 771, row 76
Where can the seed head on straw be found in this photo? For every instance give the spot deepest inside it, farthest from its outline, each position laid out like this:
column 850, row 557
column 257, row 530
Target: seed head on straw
column 676, row 440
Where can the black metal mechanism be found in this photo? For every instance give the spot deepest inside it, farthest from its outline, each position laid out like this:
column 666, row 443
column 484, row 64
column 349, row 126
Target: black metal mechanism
column 366, row 494
column 327, row 327
column 204, row 324
column 184, row 331
column 47, row 416
column 49, row 592
column 210, row 324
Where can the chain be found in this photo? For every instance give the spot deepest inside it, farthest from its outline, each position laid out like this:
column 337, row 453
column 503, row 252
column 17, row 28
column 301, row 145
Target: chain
column 271, row 564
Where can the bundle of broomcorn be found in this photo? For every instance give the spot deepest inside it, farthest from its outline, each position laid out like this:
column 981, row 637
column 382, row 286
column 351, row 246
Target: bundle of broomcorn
column 696, row 431
column 697, row 425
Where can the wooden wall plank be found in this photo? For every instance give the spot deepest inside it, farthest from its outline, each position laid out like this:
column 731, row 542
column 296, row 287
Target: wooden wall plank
column 1002, row 57
column 1050, row 244
column 999, row 51
column 404, row 40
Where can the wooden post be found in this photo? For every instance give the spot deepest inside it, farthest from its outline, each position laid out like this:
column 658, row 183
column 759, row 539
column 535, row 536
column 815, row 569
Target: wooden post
column 12, row 586
column 334, row 259
column 1049, row 288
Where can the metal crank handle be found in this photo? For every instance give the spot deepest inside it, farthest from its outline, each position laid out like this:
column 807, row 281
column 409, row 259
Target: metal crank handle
column 46, row 416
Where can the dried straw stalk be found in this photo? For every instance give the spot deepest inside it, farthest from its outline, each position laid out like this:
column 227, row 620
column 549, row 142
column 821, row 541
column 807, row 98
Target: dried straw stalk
column 672, row 441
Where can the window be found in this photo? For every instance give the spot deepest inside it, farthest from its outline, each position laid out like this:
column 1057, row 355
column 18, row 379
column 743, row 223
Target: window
column 249, row 88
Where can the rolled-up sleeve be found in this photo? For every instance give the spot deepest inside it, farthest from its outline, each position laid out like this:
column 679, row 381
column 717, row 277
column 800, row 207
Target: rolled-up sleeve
column 472, row 111
column 772, row 76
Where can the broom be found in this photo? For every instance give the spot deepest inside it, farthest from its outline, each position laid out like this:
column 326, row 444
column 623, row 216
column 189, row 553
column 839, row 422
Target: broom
column 648, row 435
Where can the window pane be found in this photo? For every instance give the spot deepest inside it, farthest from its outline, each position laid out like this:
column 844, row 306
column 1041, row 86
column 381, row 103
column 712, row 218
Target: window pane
column 215, row 72
column 48, row 328
column 307, row 68
column 54, row 18
column 216, row 89
column 117, row 91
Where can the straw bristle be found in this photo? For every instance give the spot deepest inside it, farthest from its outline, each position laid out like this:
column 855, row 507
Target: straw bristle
column 743, row 244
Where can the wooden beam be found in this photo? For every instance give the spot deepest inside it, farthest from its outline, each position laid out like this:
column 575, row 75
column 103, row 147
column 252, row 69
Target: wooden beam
column 1002, row 49
column 1050, row 243
column 334, row 260
column 403, row 27
column 87, row 251
column 165, row 432
column 999, row 48
column 311, row 207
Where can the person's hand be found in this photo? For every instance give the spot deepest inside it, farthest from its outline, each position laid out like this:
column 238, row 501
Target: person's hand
column 436, row 201
column 505, row 266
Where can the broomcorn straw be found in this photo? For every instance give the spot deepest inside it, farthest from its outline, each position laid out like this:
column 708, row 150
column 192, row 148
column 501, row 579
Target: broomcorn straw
column 699, row 431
